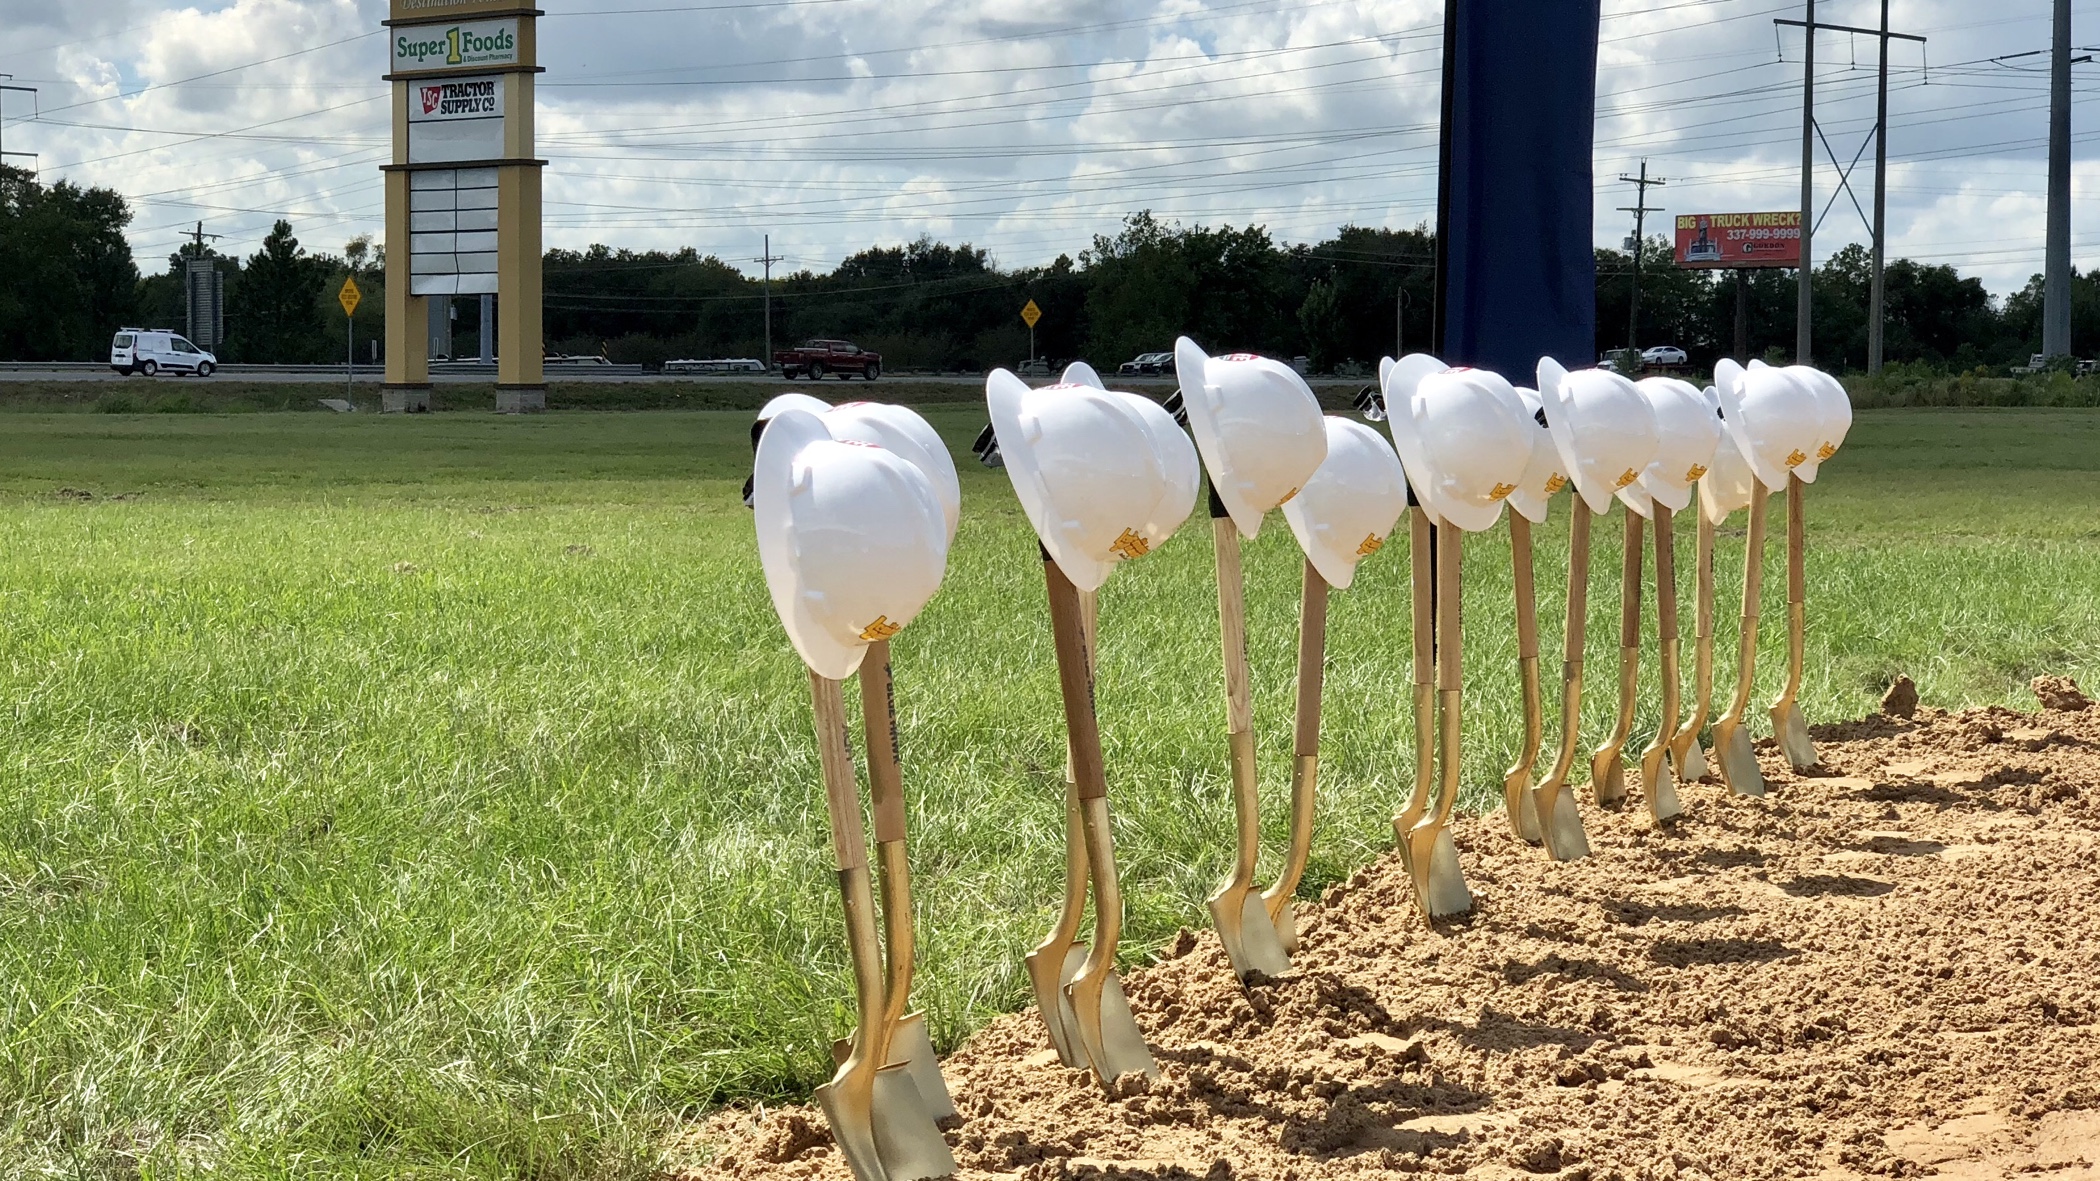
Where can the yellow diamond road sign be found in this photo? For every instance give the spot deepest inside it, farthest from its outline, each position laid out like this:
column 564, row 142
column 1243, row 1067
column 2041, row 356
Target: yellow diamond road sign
column 1031, row 313
column 350, row 296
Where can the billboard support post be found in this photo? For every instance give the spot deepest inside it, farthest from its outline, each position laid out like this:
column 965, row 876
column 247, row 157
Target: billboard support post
column 463, row 194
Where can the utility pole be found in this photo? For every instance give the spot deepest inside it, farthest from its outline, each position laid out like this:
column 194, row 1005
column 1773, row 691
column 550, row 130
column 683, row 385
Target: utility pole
column 3, row 122
column 1640, row 209
column 768, row 259
column 2056, row 283
column 1879, row 228
column 1804, row 305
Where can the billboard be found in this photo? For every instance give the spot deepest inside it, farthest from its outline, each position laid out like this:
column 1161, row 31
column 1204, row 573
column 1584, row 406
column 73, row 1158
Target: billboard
column 470, row 43
column 456, row 120
column 1737, row 240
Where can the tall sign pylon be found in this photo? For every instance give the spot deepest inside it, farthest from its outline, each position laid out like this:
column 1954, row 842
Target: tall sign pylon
column 463, row 190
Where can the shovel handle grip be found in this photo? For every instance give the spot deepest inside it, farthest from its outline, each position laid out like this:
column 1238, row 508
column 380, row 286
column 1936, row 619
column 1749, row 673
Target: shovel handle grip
column 878, row 707
column 1527, row 591
column 1076, row 684
column 1630, row 582
column 1312, row 659
column 849, row 840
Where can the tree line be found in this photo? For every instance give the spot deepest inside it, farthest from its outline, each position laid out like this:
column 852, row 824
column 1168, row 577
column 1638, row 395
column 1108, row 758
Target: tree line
column 68, row 281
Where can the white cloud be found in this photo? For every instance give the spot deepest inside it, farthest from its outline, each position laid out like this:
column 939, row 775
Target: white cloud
column 1022, row 126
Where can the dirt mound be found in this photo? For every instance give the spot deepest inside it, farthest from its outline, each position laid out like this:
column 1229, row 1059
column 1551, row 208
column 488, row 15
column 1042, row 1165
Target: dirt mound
column 1890, row 968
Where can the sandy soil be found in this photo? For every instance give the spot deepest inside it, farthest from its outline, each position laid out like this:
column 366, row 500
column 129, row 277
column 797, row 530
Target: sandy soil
column 1889, row 968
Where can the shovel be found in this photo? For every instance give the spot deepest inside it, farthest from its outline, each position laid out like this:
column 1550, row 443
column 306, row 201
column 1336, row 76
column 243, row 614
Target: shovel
column 1305, row 767
column 1440, row 885
column 910, row 1046
column 1422, row 588
column 1731, row 740
column 1057, row 959
column 876, row 1113
column 1608, row 764
column 1560, row 824
column 1108, row 1034
column 1788, row 724
column 1684, row 747
column 1657, row 784
column 1516, row 782
column 1236, row 908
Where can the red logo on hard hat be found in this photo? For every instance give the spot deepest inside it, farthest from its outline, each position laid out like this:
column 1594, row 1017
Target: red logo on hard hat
column 432, row 96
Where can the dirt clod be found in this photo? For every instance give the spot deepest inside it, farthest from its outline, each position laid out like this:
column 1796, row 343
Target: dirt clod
column 1891, row 969
column 1901, row 701
column 2060, row 693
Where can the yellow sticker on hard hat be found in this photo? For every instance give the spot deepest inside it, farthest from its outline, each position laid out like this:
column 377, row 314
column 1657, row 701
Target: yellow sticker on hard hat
column 1131, row 546
column 881, row 629
column 1692, row 476
column 1287, row 497
column 1556, row 483
column 1796, row 459
column 1826, row 451
column 1625, row 478
column 1371, row 545
column 1501, row 490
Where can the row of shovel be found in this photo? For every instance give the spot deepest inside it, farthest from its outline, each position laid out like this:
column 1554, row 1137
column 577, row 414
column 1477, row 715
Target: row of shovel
column 856, row 506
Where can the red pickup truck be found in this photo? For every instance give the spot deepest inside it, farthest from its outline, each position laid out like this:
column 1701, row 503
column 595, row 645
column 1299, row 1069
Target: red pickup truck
column 816, row 358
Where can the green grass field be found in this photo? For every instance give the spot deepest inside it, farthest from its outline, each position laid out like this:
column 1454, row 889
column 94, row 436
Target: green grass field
column 435, row 797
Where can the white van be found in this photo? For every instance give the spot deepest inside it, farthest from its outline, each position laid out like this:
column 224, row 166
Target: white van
column 153, row 352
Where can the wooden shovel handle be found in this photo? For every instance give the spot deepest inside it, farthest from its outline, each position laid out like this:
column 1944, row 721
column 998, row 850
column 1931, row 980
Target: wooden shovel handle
column 1232, row 628
column 1665, row 572
column 1420, row 565
column 1312, row 659
column 1704, row 624
column 1527, row 592
column 1578, row 584
column 1630, row 583
column 1451, row 541
column 878, row 706
column 1068, row 631
column 1796, row 542
column 849, row 840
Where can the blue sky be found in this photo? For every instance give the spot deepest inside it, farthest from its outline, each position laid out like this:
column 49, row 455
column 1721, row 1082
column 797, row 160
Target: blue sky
column 1028, row 127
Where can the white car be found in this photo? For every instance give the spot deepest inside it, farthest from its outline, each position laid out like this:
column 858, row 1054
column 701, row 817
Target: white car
column 1663, row 354
column 153, row 352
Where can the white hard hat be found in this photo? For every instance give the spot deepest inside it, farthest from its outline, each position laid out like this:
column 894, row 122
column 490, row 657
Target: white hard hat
column 792, row 402
column 1087, row 472
column 1177, row 456
column 1725, row 488
column 1468, row 428
column 851, row 538
column 1836, row 417
column 1688, row 432
column 1081, row 373
column 1544, row 475
column 909, row 436
column 1772, row 417
column 1397, row 382
column 1347, row 509
column 1257, row 425
column 1603, row 426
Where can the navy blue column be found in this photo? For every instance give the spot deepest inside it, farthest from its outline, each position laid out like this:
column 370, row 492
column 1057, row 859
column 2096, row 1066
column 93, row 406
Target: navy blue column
column 1517, row 273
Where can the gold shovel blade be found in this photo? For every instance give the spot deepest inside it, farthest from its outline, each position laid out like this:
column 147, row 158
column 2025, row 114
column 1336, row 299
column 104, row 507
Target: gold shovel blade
column 848, row 1103
column 1517, row 802
column 1561, row 827
column 1244, row 926
column 1659, row 786
column 1440, row 884
column 1608, row 776
column 910, row 1146
column 1691, row 761
column 1790, row 727
column 1286, row 922
column 1050, row 974
column 1738, row 759
column 1108, row 1029
column 911, row 1047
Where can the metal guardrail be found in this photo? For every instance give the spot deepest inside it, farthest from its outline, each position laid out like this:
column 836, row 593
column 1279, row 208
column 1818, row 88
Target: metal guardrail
column 237, row 369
